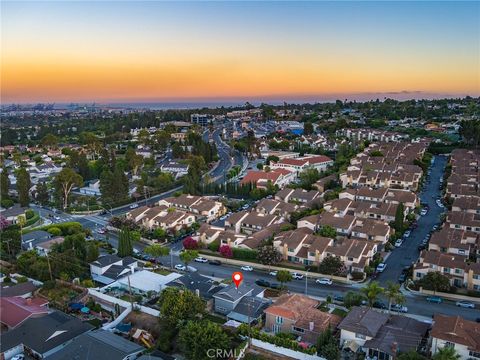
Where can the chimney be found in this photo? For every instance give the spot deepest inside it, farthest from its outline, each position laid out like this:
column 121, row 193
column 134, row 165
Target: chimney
column 311, row 326
column 28, row 301
column 197, row 292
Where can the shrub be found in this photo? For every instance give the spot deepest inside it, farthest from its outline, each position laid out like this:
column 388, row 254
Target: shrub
column 29, row 214
column 49, row 284
column 214, row 246
column 21, row 279
column 357, row 275
column 55, row 231
column 244, row 254
column 6, row 203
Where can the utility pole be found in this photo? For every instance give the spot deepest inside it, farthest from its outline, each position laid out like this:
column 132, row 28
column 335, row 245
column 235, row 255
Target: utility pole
column 130, row 291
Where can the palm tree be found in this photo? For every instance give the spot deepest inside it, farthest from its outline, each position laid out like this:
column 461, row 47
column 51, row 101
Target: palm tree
column 393, row 294
column 372, row 291
column 446, row 353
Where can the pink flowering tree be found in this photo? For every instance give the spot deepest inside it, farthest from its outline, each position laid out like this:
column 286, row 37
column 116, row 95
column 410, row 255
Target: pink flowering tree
column 226, row 251
column 4, row 223
column 190, row 243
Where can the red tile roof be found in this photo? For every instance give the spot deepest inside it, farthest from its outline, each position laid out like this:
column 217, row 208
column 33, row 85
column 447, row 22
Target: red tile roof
column 15, row 310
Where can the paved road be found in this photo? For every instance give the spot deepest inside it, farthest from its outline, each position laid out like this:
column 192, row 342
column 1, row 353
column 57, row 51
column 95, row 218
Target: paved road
column 416, row 305
column 408, row 252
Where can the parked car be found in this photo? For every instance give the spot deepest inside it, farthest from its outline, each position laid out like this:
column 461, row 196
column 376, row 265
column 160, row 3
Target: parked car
column 435, row 227
column 339, row 298
column 134, row 206
column 423, row 212
column 102, row 231
column 261, row 282
column 201, row 259
column 434, row 299
column 297, row 276
column 399, row 308
column 18, row 357
column 465, row 304
column 379, row 305
column 215, row 262
column 407, row 234
column 402, row 278
column 273, row 273
column 324, row 281
column 398, row 243
column 180, row 267
column 247, row 268
column 381, row 267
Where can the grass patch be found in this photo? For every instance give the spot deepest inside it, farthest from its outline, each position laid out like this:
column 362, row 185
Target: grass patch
column 164, row 272
column 95, row 322
column 339, row 312
column 215, row 319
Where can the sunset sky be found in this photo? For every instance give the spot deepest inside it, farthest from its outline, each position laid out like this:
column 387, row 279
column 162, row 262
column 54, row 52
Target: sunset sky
column 161, row 51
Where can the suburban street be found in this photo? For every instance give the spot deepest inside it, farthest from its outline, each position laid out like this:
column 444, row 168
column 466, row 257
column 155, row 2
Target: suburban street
column 408, row 253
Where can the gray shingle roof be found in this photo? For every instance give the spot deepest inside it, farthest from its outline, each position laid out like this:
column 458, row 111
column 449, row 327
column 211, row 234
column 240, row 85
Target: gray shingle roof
column 99, row 344
column 44, row 333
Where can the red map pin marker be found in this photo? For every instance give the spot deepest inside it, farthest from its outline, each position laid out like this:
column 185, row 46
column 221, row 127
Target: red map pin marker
column 237, row 278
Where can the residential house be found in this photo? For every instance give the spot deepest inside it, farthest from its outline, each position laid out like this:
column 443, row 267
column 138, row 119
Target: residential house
column 342, row 224
column 459, row 272
column 458, row 333
column 227, row 299
column 380, row 335
column 175, row 168
column 108, row 268
column 42, row 336
column 297, row 195
column 454, row 241
column 99, row 344
column 200, row 206
column 467, row 204
column 467, row 221
column 262, row 179
column 14, row 310
column 299, row 315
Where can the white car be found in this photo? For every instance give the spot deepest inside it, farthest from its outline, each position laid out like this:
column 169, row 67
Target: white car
column 56, row 217
column 465, row 304
column 134, row 206
column 381, row 267
column 201, row 259
column 180, row 267
column 399, row 308
column 18, row 357
column 407, row 234
column 439, row 203
column 247, row 268
column 324, row 281
column 273, row 273
column 398, row 243
column 424, row 212
column 297, row 276
column 101, row 231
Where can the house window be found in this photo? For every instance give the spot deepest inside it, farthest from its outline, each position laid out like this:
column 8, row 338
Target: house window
column 458, row 271
column 476, row 277
column 279, row 319
column 449, row 344
column 461, row 251
column 221, row 309
column 311, row 253
column 299, row 330
column 290, row 250
column 446, row 270
column 360, row 336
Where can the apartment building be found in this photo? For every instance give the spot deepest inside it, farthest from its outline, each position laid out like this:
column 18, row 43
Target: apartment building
column 200, row 206
column 161, row 217
column 299, row 164
column 454, row 241
column 459, row 272
column 261, row 179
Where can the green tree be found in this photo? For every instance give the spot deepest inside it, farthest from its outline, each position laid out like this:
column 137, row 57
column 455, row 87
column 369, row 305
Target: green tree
column 188, row 256
column 42, row 193
column 399, row 217
column 371, row 292
column 327, row 345
column 353, row 298
column 4, row 184
column 269, row 255
column 106, row 186
column 435, row 281
column 65, row 181
column 178, row 306
column 284, row 276
column 23, row 186
column 49, row 141
column 308, row 177
column 91, row 141
column 157, row 250
column 10, row 244
column 446, row 353
column 393, row 294
column 197, row 337
column 331, row 265
column 308, row 128
column 92, row 252
column 134, row 161
column 328, row 231
column 125, row 246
